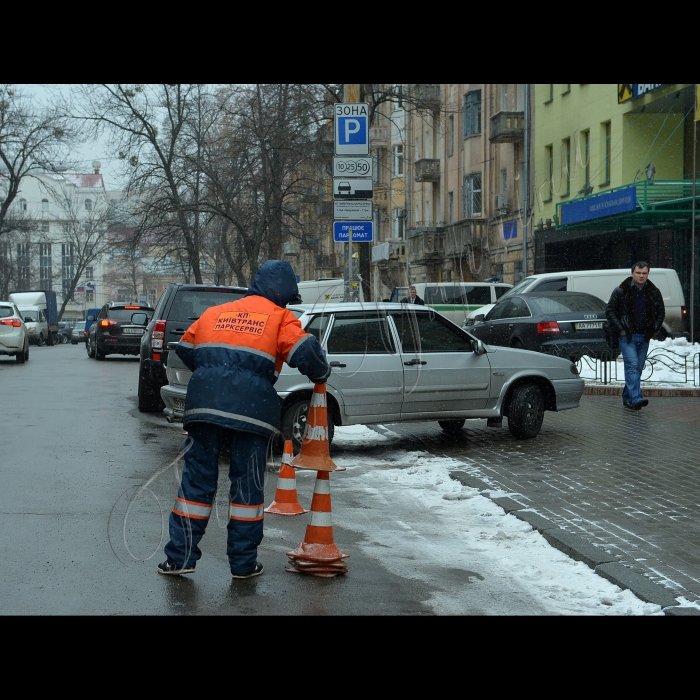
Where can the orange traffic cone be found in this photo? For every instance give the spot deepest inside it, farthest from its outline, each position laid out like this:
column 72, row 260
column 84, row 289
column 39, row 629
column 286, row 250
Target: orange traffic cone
column 314, row 453
column 286, row 500
column 318, row 554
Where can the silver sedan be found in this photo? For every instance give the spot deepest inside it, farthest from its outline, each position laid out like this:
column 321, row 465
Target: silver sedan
column 392, row 363
column 14, row 338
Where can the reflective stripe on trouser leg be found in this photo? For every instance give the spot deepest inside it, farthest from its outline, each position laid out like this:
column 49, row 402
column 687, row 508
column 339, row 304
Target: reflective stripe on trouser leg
column 246, row 499
column 190, row 514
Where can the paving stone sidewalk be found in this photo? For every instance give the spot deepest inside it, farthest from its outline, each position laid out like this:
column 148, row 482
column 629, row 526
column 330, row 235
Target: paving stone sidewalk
column 627, row 482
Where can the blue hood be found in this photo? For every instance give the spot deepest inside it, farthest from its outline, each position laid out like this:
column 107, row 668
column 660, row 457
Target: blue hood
column 275, row 280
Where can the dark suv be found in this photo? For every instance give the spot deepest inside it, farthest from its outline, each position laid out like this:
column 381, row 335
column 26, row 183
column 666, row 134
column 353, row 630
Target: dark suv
column 118, row 329
column 179, row 305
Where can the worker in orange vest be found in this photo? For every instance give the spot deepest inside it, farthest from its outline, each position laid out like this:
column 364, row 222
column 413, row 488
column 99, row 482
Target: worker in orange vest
column 235, row 352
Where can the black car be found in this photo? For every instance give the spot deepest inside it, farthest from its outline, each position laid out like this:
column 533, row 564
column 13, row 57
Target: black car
column 65, row 332
column 566, row 324
column 118, row 330
column 179, row 305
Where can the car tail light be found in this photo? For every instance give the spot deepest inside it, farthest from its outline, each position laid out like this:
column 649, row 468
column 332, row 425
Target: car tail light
column 10, row 322
column 108, row 322
column 548, row 327
column 157, row 336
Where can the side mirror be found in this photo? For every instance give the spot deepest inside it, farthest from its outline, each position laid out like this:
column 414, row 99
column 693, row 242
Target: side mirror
column 139, row 319
column 479, row 318
column 478, row 347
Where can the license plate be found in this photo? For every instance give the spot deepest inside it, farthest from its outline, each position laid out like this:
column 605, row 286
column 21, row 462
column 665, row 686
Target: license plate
column 179, row 404
column 133, row 331
column 588, row 326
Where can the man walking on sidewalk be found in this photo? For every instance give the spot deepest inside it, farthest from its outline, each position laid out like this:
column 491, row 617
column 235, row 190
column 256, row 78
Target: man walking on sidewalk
column 636, row 313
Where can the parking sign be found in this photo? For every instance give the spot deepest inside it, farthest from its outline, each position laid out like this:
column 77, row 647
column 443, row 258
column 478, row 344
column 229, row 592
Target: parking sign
column 352, row 129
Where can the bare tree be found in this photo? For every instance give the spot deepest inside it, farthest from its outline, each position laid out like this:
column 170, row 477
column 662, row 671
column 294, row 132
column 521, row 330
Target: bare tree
column 30, row 138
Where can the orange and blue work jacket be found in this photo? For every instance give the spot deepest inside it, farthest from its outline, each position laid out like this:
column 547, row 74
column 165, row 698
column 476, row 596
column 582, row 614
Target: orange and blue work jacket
column 236, row 352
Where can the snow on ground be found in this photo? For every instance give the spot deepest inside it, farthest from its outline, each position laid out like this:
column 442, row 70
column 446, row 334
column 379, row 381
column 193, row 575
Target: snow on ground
column 669, row 365
column 350, row 435
column 442, row 532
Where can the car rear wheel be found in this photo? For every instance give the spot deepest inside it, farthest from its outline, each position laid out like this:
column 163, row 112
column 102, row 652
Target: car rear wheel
column 23, row 356
column 451, row 426
column 41, row 340
column 99, row 354
column 294, row 423
column 88, row 347
column 149, row 396
column 526, row 412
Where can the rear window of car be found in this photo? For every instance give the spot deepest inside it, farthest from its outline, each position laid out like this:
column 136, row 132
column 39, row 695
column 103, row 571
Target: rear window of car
column 190, row 304
column 569, row 303
column 125, row 314
column 6, row 311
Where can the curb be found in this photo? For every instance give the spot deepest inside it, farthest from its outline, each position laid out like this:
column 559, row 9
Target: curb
column 577, row 548
column 616, row 390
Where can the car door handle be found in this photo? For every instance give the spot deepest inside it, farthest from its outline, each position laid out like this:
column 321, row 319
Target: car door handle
column 178, row 331
column 336, row 364
column 415, row 362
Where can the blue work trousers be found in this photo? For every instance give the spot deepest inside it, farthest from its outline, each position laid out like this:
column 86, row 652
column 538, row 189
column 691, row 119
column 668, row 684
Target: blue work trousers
column 193, row 507
column 634, row 355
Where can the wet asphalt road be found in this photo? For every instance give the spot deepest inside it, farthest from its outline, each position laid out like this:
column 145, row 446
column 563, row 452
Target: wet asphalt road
column 87, row 486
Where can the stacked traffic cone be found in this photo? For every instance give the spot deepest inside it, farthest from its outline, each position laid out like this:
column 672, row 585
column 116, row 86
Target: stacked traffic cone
column 317, row 554
column 314, row 453
column 286, row 500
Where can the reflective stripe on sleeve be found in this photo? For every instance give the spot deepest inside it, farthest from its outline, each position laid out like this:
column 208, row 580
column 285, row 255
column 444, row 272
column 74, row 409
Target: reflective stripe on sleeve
column 236, row 511
column 192, row 509
column 185, row 344
column 234, row 416
column 296, row 345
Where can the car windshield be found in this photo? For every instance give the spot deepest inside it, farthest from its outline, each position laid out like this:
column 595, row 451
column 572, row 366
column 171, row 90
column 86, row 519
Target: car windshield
column 126, row 314
column 6, row 311
column 30, row 315
column 569, row 303
column 190, row 304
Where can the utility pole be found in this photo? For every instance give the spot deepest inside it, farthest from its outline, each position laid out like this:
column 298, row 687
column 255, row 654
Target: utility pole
column 526, row 196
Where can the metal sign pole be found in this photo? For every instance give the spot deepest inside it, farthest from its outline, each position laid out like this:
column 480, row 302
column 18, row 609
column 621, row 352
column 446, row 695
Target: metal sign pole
column 692, row 218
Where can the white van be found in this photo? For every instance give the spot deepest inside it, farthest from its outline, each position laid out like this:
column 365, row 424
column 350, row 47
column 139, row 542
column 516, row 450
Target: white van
column 601, row 283
column 455, row 300
column 325, row 290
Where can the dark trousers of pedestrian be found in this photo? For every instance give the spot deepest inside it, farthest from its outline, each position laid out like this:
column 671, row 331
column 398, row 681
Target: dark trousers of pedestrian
column 193, row 507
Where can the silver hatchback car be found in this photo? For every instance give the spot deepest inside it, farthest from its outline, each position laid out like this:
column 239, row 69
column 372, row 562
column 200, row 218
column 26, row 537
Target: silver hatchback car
column 396, row 363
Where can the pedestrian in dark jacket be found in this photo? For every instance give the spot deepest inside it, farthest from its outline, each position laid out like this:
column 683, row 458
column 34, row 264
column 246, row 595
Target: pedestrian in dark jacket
column 635, row 313
column 236, row 352
column 412, row 297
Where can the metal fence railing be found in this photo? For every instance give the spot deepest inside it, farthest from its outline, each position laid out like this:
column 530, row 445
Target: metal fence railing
column 662, row 365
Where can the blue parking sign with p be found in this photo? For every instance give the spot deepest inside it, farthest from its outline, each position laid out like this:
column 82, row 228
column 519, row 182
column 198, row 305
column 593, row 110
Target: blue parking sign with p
column 352, row 129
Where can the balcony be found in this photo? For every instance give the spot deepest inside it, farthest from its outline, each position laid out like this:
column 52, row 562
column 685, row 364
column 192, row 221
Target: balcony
column 379, row 136
column 426, row 243
column 428, row 97
column 428, row 170
column 507, row 127
column 462, row 235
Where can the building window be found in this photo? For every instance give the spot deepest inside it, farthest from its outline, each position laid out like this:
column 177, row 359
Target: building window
column 451, row 135
column 549, row 170
column 398, row 160
column 566, row 165
column 608, row 151
column 23, row 205
column 89, row 272
column 44, row 204
column 89, row 295
column 66, row 204
column 504, row 97
column 377, row 165
column 88, row 205
column 123, row 295
column 45, row 265
column 427, row 150
column 397, row 221
column 451, row 206
column 67, row 270
column 151, row 295
column 472, row 113
column 472, row 195
column 45, row 227
column 23, row 271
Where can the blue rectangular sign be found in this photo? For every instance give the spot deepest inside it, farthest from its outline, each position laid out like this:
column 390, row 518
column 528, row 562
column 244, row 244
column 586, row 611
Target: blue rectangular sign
column 510, row 230
column 362, row 231
column 599, row 206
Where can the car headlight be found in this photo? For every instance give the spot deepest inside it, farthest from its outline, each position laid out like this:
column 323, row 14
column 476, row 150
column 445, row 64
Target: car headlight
column 574, row 369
